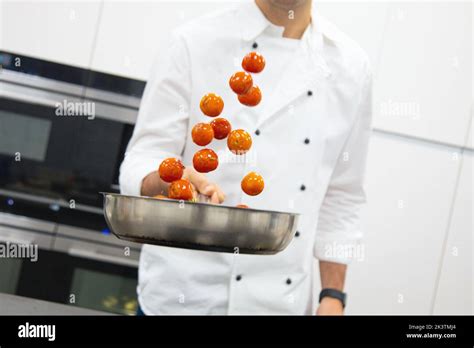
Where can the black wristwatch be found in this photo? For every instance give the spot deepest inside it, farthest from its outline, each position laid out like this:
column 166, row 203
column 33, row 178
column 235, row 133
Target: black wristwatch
column 341, row 296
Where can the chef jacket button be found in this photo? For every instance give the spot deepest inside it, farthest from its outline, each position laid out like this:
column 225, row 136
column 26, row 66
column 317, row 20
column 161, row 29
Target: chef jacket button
column 255, row 45
column 288, row 281
column 302, row 187
column 310, row 93
column 297, row 234
column 306, row 141
column 257, row 132
column 238, row 277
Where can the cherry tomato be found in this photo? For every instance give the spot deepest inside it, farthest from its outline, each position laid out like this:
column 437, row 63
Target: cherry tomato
column 205, row 161
column 241, row 82
column 181, row 189
column 243, row 206
column 171, row 169
column 252, row 184
column 211, row 105
column 253, row 62
column 221, row 128
column 252, row 97
column 202, row 134
column 239, row 141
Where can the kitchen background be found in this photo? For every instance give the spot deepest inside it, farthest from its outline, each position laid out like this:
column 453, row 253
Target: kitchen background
column 417, row 253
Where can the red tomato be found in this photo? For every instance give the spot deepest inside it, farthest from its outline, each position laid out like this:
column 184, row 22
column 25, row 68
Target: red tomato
column 211, row 105
column 252, row 184
column 205, row 161
column 253, row 62
column 252, row 98
column 221, row 128
column 202, row 134
column 239, row 141
column 241, row 82
column 171, row 169
column 181, row 189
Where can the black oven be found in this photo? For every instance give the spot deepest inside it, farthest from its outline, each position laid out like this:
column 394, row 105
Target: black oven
column 55, row 159
column 67, row 157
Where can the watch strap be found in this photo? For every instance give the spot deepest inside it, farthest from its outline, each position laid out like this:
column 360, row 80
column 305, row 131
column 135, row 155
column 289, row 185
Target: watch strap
column 334, row 293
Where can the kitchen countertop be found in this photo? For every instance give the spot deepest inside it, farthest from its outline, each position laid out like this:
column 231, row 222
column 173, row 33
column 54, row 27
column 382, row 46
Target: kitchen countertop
column 17, row 305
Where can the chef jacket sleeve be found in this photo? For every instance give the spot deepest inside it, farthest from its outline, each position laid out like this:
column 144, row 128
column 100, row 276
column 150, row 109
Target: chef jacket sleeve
column 162, row 122
column 338, row 231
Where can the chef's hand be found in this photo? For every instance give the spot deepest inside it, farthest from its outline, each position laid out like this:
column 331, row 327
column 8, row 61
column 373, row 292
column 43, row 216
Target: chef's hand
column 152, row 185
column 330, row 306
column 204, row 186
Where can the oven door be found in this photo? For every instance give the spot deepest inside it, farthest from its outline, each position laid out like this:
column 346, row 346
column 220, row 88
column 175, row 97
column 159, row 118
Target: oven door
column 48, row 153
column 72, row 280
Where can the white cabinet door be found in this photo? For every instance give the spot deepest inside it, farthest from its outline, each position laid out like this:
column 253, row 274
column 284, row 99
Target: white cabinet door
column 455, row 293
column 131, row 33
column 423, row 86
column 362, row 21
column 410, row 186
column 59, row 31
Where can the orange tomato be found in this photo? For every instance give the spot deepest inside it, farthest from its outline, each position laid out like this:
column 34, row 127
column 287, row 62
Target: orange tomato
column 244, row 206
column 205, row 161
column 171, row 169
column 241, row 82
column 221, row 128
column 239, row 141
column 253, row 62
column 181, row 189
column 252, row 97
column 252, row 184
column 202, row 134
column 211, row 105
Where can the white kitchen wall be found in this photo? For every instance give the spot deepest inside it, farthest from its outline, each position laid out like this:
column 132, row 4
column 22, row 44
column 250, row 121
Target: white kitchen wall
column 422, row 55
column 455, row 292
column 60, row 31
column 132, row 32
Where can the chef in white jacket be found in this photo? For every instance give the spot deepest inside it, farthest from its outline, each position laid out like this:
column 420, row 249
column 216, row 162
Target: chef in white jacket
column 310, row 135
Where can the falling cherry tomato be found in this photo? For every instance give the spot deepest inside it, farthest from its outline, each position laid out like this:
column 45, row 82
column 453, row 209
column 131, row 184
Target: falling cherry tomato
column 205, row 161
column 243, row 206
column 241, row 82
column 202, row 134
column 239, row 141
column 252, row 184
column 211, row 105
column 221, row 128
column 252, row 97
column 253, row 62
column 181, row 189
column 171, row 169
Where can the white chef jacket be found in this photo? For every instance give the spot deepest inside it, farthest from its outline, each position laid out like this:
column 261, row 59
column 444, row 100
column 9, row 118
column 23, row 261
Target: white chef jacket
column 313, row 125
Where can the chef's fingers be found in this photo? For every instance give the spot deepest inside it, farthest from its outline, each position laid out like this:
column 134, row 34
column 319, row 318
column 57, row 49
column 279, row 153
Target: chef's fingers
column 215, row 198
column 213, row 189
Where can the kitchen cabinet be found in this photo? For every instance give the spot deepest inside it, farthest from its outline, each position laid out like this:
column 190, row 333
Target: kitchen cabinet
column 59, row 31
column 423, row 85
column 362, row 21
column 410, row 187
column 131, row 33
column 455, row 292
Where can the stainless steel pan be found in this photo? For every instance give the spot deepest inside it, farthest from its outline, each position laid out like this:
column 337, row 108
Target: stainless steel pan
column 200, row 226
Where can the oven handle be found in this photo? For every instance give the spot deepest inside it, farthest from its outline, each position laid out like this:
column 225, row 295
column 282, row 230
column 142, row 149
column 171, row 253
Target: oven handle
column 15, row 240
column 102, row 257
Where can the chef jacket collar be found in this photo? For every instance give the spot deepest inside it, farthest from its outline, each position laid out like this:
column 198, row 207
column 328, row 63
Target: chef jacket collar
column 256, row 23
